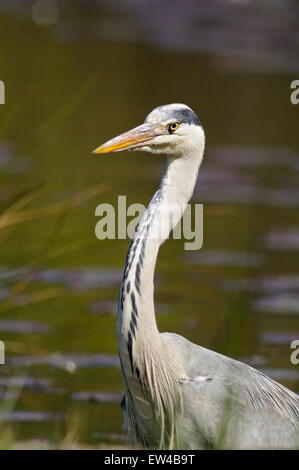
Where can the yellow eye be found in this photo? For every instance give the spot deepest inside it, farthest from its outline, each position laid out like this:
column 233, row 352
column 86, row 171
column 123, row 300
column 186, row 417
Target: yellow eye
column 173, row 127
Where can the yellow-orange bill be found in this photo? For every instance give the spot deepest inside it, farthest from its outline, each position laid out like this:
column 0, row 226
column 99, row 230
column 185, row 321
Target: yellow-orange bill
column 129, row 140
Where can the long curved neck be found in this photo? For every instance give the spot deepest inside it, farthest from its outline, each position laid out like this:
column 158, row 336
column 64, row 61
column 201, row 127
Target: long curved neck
column 151, row 373
column 136, row 314
column 162, row 215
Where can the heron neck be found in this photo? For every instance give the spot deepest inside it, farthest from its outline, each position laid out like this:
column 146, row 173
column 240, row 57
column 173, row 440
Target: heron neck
column 152, row 373
column 136, row 312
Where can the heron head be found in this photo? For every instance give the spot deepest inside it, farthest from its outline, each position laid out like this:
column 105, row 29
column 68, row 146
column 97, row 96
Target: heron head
column 168, row 129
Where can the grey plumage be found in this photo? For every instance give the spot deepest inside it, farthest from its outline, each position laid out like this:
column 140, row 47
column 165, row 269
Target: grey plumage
column 178, row 394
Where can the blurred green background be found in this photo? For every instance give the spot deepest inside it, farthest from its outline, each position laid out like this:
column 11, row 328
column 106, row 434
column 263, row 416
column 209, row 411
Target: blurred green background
column 79, row 73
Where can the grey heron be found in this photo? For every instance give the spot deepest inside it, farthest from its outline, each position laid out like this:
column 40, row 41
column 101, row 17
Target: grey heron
column 178, row 394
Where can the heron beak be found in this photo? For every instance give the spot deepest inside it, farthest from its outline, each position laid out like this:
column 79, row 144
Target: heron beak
column 132, row 139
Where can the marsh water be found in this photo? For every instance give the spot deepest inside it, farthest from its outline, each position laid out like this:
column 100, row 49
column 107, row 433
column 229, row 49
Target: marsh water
column 95, row 71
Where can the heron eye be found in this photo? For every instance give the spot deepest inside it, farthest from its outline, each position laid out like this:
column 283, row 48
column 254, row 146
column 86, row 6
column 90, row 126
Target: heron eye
column 173, row 127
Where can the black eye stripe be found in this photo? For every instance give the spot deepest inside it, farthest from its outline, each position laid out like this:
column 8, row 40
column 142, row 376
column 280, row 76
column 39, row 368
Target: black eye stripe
column 185, row 116
column 168, row 113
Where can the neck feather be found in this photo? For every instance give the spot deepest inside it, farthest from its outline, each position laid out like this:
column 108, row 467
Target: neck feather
column 162, row 215
column 142, row 350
